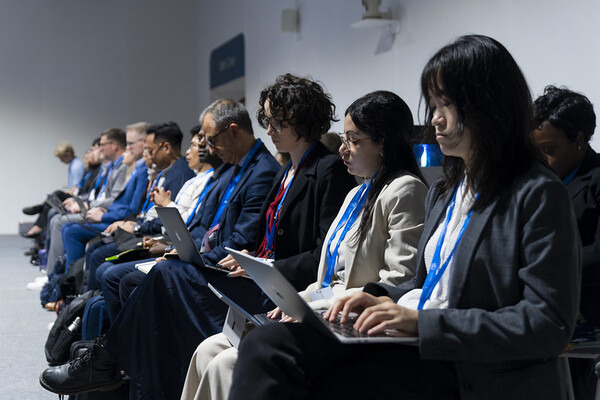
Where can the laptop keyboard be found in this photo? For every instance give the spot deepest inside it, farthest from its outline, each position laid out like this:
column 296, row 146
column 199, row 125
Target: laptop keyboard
column 263, row 319
column 346, row 329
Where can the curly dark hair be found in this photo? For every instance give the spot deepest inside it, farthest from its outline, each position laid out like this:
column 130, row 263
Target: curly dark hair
column 300, row 102
column 479, row 76
column 567, row 110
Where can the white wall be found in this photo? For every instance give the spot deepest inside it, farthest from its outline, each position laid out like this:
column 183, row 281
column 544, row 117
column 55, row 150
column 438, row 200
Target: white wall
column 71, row 69
column 554, row 41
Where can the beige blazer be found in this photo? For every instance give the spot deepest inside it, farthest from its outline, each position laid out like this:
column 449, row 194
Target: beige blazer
column 388, row 253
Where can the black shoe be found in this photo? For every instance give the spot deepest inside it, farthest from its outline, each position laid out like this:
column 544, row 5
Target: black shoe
column 93, row 370
column 33, row 210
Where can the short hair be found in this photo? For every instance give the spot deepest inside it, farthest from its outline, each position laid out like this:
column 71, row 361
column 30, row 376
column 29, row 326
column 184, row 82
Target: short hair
column 479, row 76
column 139, row 127
column 566, row 110
column 227, row 111
column 96, row 142
column 115, row 135
column 63, row 148
column 195, row 129
column 301, row 102
column 167, row 132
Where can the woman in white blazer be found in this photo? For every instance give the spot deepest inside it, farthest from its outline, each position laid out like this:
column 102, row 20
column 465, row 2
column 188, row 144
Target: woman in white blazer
column 373, row 238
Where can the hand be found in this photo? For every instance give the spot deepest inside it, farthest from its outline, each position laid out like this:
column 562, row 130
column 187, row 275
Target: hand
column 356, row 302
column 164, row 258
column 388, row 316
column 113, row 227
column 95, row 214
column 237, row 272
column 158, row 248
column 73, row 208
column 127, row 226
column 160, row 197
column 231, row 264
column 68, row 201
column 149, row 241
column 273, row 314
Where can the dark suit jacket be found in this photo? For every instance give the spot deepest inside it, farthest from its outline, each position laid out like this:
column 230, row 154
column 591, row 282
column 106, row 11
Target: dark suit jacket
column 584, row 190
column 238, row 225
column 312, row 203
column 514, row 290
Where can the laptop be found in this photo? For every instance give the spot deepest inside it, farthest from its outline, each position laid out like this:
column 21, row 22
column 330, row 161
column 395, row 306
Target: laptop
column 182, row 240
column 236, row 318
column 283, row 294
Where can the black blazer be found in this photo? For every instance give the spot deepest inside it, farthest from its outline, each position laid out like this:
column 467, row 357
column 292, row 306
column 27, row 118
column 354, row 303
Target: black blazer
column 584, row 190
column 312, row 203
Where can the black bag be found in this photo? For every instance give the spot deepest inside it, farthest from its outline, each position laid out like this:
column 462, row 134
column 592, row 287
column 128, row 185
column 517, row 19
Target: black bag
column 51, row 290
column 72, row 282
column 125, row 240
column 65, row 331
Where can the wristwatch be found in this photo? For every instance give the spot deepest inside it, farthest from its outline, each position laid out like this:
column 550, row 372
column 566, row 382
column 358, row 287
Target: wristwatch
column 136, row 228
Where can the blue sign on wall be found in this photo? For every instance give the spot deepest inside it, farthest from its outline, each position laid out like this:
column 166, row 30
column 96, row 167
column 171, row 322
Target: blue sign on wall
column 227, row 62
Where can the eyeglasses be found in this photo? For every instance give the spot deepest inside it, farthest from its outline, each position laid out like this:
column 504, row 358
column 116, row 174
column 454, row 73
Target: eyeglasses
column 276, row 124
column 134, row 142
column 210, row 140
column 150, row 151
column 105, row 143
column 347, row 141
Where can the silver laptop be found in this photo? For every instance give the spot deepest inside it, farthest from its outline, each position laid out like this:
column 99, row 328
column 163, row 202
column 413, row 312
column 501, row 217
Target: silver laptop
column 181, row 238
column 283, row 294
column 236, row 318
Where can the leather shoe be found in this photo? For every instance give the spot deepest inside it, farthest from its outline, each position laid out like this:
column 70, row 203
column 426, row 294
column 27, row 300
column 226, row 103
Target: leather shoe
column 33, row 210
column 93, row 370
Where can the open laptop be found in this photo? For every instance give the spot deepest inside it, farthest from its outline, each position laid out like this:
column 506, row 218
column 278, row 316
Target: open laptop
column 283, row 294
column 236, row 318
column 181, row 238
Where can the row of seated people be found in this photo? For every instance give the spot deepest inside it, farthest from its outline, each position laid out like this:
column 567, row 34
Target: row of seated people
column 485, row 267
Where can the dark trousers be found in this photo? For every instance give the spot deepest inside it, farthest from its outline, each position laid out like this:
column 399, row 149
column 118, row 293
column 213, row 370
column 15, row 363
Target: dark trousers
column 294, row 361
column 164, row 320
column 95, row 256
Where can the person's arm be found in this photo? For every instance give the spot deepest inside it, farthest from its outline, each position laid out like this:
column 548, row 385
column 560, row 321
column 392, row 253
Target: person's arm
column 545, row 284
column 114, row 186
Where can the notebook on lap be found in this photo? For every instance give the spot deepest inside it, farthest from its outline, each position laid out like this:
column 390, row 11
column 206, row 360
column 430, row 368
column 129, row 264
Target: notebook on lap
column 283, row 294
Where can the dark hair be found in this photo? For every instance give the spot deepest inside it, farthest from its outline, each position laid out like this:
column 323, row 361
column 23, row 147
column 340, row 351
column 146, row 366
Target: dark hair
column 387, row 119
column 301, row 102
column 167, row 132
column 194, row 131
column 227, row 111
column 480, row 77
column 96, row 142
column 566, row 110
column 115, row 135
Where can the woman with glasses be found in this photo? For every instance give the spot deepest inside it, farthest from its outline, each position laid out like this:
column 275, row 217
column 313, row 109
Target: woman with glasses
column 374, row 236
column 495, row 295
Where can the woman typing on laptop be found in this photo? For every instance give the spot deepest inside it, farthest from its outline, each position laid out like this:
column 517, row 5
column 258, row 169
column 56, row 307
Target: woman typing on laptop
column 495, row 295
column 373, row 238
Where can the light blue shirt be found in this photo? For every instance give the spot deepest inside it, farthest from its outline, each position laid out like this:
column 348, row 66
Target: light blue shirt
column 76, row 171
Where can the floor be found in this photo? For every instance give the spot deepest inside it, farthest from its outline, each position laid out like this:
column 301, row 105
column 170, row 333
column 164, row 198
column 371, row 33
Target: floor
column 23, row 325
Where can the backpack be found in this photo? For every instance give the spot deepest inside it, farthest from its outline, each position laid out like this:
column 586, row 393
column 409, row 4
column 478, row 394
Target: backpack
column 66, row 330
column 51, row 290
column 95, row 321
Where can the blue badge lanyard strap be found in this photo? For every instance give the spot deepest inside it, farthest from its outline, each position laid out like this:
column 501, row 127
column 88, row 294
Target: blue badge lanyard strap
column 570, row 177
column 147, row 203
column 436, row 270
column 101, row 177
column 203, row 194
column 233, row 183
column 347, row 220
column 271, row 232
column 111, row 168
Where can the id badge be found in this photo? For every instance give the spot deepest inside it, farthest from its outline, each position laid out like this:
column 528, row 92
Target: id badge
column 321, row 294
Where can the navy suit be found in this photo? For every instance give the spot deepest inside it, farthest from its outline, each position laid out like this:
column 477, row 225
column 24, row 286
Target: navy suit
column 176, row 301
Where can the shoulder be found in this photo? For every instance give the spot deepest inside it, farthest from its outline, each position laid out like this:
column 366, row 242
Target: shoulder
column 404, row 186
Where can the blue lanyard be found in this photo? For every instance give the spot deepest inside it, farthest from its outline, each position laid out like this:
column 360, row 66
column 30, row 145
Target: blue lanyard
column 570, row 177
column 203, row 194
column 232, row 184
column 436, row 270
column 101, row 176
column 148, row 204
column 347, row 220
column 271, row 232
column 85, row 178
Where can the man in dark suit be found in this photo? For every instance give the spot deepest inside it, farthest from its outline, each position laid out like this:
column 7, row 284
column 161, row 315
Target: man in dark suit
column 229, row 217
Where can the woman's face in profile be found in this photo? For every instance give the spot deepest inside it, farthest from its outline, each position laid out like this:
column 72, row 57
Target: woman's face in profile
column 445, row 120
column 282, row 134
column 361, row 155
column 562, row 154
